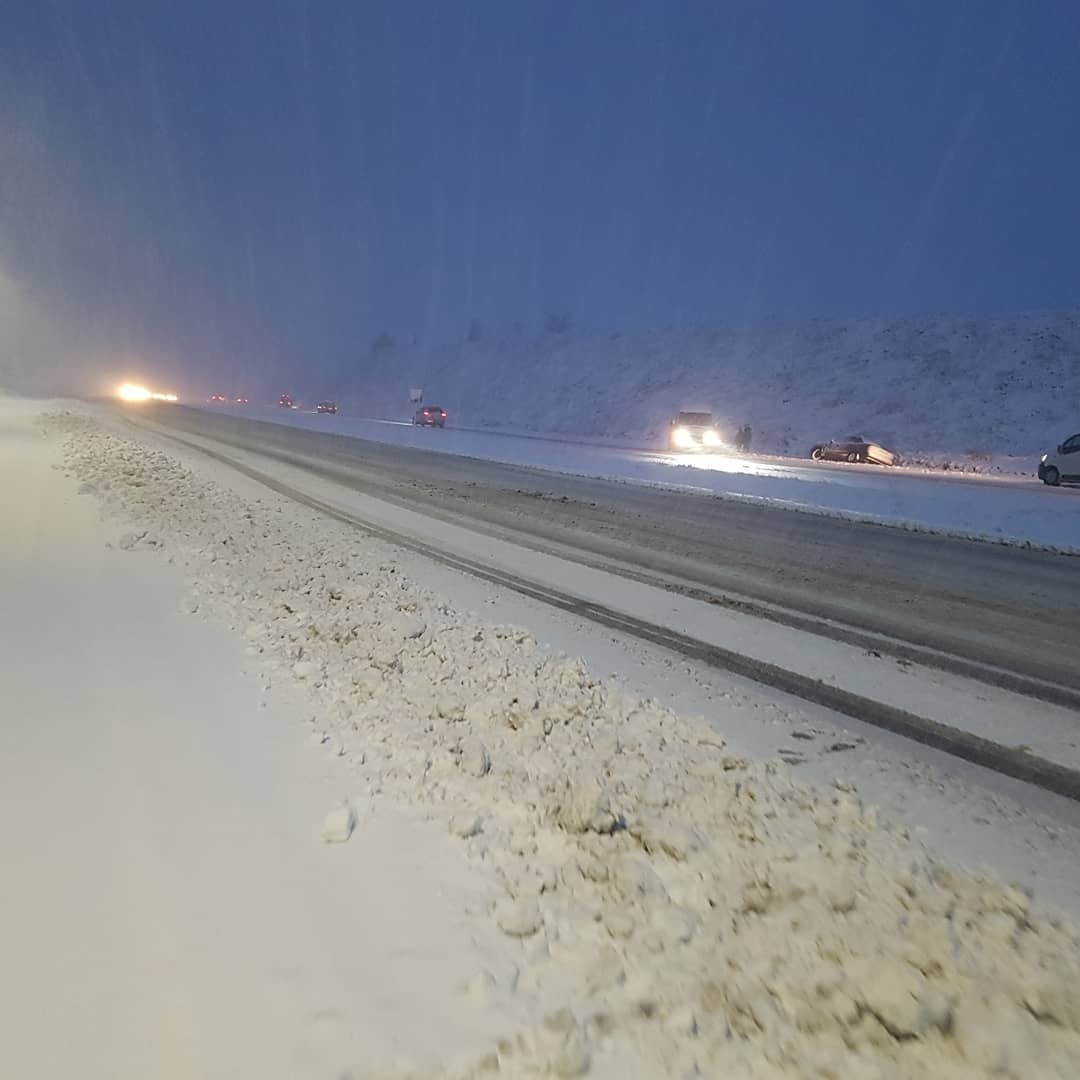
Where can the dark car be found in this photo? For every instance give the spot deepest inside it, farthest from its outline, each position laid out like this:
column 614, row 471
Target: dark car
column 855, row 449
column 285, row 402
column 326, row 407
column 217, row 399
column 243, row 401
column 430, row 416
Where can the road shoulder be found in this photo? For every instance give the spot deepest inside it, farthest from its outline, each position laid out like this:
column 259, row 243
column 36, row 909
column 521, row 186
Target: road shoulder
column 171, row 906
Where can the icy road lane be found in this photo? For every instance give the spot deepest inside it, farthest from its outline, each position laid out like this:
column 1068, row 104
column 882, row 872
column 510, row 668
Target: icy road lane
column 992, row 604
column 998, row 508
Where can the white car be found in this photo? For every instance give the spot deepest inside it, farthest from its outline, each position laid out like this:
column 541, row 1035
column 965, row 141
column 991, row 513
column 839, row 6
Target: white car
column 1062, row 466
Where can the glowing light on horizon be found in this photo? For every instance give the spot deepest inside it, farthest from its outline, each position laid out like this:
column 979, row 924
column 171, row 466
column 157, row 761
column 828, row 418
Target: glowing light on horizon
column 133, row 392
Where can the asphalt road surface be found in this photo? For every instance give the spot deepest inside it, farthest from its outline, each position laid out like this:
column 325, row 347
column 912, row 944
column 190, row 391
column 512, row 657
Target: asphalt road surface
column 1013, row 608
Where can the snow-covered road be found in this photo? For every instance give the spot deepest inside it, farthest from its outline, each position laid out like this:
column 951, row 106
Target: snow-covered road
column 1013, row 509
column 994, row 604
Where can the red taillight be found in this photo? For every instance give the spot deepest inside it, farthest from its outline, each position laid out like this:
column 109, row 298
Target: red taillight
column 444, row 416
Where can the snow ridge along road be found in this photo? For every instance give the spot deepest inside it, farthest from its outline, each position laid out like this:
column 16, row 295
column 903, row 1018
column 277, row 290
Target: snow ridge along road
column 673, row 910
column 970, row 745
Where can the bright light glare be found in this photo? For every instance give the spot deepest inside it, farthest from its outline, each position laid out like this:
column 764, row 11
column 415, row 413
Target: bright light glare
column 711, row 437
column 682, row 438
column 132, row 392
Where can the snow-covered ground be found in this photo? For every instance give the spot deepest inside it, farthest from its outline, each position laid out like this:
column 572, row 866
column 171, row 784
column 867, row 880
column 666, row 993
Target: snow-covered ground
column 1003, row 509
column 956, row 389
column 168, row 907
column 612, row 891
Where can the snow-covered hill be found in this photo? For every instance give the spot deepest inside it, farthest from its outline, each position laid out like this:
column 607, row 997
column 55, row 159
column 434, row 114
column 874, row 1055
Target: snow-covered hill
column 941, row 388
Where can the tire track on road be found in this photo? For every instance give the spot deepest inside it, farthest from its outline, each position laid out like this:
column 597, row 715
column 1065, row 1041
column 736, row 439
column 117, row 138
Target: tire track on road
column 1009, row 761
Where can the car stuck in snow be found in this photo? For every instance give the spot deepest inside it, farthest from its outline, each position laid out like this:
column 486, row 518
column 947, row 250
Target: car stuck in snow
column 854, row 449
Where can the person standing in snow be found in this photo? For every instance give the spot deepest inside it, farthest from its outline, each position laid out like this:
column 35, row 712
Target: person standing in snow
column 747, row 435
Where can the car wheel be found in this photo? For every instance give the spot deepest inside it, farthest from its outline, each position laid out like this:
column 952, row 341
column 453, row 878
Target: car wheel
column 853, row 458
column 1051, row 476
column 817, row 453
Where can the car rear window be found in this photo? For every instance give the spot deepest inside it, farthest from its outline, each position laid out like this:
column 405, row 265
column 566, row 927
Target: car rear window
column 698, row 419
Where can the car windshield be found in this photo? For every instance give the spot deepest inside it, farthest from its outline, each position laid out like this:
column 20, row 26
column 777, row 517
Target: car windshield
column 695, row 419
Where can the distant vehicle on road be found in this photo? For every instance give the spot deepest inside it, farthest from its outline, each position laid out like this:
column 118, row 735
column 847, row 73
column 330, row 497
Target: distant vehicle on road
column 326, row 407
column 855, row 449
column 1062, row 466
column 217, row 399
column 694, row 431
column 243, row 401
column 285, row 402
column 430, row 416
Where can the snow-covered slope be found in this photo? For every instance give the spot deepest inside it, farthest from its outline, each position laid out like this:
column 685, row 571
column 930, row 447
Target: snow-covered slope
column 937, row 388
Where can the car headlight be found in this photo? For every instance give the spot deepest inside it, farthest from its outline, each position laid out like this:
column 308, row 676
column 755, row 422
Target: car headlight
column 1043, row 458
column 132, row 392
column 681, row 437
column 711, row 437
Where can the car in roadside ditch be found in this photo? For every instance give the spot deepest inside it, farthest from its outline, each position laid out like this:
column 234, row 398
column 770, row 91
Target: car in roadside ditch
column 430, row 416
column 694, row 431
column 1062, row 465
column 855, row 450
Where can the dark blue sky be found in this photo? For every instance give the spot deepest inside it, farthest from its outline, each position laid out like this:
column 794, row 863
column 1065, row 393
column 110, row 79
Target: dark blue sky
column 276, row 182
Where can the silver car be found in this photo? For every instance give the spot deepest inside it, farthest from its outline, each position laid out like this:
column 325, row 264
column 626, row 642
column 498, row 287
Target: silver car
column 1062, row 466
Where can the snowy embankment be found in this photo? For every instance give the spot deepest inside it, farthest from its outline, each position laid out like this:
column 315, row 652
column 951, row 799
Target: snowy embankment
column 666, row 908
column 958, row 390
column 168, row 908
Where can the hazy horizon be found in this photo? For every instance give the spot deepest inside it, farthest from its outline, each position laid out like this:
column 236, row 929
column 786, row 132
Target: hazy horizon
column 263, row 188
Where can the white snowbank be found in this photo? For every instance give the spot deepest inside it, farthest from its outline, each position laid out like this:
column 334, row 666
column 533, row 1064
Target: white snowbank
column 167, row 906
column 675, row 910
